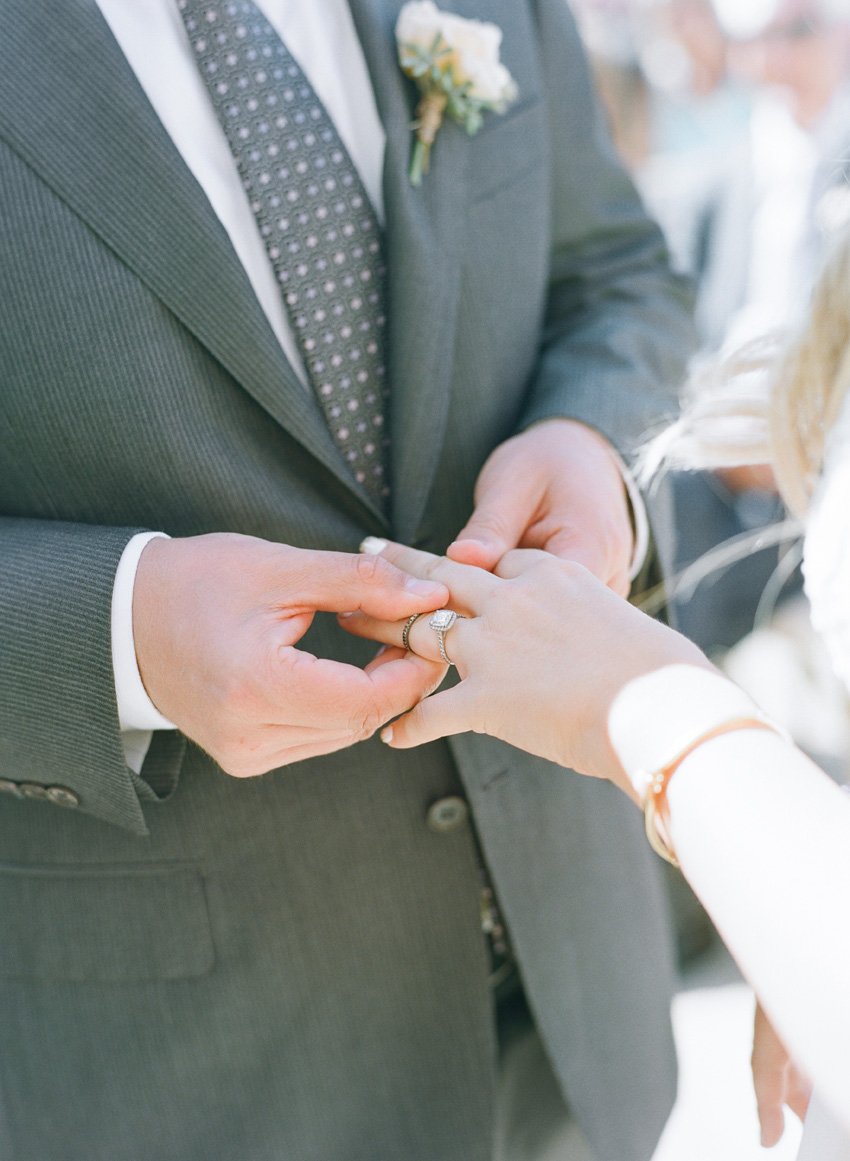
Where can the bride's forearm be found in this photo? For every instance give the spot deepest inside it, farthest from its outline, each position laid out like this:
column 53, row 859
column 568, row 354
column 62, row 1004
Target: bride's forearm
column 763, row 837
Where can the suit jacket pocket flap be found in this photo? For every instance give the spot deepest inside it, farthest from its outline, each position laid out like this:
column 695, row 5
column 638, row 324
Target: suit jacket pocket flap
column 103, row 924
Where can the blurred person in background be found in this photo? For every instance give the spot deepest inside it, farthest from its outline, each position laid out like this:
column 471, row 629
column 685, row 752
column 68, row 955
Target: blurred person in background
column 757, row 238
column 734, row 119
column 678, row 112
column 700, row 113
column 745, row 167
column 786, row 189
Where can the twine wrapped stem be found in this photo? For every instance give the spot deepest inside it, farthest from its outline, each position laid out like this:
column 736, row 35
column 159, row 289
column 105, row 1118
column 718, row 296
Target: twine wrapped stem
column 429, row 118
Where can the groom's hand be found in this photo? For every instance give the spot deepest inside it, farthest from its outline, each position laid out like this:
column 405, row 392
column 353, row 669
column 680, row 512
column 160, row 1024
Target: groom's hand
column 216, row 620
column 556, row 487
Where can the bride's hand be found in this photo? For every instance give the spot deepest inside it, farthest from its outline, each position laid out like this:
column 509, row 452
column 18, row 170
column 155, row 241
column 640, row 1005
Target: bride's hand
column 777, row 1081
column 543, row 650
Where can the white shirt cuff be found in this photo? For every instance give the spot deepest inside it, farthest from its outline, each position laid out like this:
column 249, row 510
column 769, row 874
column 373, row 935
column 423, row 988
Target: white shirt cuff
column 136, row 711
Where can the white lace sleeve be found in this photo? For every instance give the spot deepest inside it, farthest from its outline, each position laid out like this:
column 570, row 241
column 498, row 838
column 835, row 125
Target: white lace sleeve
column 826, row 555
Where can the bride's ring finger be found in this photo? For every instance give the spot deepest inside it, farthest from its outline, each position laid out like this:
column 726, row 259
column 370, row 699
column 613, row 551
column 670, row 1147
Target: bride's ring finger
column 434, row 636
column 441, row 620
column 405, row 632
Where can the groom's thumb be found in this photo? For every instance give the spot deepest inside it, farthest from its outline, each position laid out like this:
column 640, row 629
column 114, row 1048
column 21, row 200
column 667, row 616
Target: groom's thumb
column 495, row 527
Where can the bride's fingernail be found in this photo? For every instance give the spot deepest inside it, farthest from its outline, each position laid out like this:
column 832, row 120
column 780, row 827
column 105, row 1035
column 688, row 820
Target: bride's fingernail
column 387, row 734
column 373, row 545
column 344, row 616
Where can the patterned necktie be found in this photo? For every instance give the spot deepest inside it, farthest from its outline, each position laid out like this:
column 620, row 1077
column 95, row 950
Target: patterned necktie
column 319, row 228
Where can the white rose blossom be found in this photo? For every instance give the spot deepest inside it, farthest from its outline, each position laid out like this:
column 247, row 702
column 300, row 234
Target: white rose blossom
column 455, row 64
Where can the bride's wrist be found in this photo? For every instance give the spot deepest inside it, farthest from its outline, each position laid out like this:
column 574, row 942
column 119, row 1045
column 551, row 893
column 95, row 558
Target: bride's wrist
column 657, row 715
column 660, row 719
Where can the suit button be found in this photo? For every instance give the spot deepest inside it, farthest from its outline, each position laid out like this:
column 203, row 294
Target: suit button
column 33, row 790
column 62, row 796
column 447, row 814
column 9, row 787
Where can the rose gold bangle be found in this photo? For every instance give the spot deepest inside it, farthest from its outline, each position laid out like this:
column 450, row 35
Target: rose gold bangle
column 656, row 810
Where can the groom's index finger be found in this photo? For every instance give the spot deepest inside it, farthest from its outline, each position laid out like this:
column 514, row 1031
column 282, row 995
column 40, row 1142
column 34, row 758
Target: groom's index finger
column 468, row 585
column 412, row 560
column 341, row 581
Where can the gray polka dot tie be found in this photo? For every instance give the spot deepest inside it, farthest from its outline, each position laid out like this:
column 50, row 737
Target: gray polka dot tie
column 319, row 228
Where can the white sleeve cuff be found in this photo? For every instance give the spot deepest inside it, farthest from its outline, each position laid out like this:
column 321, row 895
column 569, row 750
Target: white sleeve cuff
column 656, row 716
column 136, row 711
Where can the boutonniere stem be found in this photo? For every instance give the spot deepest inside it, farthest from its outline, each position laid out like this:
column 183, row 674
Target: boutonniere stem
column 429, row 118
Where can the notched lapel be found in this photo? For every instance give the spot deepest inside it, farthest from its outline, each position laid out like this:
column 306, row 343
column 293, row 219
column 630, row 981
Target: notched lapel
column 61, row 73
column 424, row 240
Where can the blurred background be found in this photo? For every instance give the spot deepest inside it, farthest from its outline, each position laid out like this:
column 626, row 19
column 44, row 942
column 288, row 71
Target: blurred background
column 734, row 118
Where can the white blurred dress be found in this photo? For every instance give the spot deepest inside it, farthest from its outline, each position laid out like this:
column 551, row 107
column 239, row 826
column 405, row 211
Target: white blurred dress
column 826, row 567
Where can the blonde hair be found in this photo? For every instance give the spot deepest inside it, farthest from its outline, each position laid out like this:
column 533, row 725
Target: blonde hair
column 811, row 380
column 774, row 401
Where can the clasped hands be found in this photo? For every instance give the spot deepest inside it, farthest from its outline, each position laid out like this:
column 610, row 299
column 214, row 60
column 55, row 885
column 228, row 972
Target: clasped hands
column 217, row 619
column 539, row 570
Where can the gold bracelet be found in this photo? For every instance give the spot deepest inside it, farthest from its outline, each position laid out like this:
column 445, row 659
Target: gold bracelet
column 654, row 802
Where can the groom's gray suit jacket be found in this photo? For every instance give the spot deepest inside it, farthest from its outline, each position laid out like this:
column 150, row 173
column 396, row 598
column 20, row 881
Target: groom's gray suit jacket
column 196, row 968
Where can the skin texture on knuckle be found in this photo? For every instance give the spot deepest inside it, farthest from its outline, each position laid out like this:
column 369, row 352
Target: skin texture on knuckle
column 364, row 722
column 373, row 570
column 577, row 573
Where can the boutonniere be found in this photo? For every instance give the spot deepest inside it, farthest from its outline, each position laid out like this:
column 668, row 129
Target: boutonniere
column 455, row 64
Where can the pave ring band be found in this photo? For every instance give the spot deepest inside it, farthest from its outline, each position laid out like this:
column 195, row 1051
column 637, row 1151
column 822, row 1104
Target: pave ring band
column 405, row 633
column 441, row 621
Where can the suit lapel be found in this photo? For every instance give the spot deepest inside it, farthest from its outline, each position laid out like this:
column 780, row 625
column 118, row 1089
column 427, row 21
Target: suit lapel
column 424, row 231
column 61, row 71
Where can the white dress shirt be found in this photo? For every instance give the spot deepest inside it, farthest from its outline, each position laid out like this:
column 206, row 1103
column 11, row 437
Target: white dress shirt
column 323, row 40
column 151, row 35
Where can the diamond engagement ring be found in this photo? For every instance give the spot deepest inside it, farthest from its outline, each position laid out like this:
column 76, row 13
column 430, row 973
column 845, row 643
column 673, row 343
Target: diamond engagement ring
column 441, row 621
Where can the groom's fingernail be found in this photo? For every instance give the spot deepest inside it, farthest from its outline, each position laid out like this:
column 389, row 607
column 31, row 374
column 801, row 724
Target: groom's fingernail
column 373, row 545
column 424, row 588
column 387, row 735
column 476, row 540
